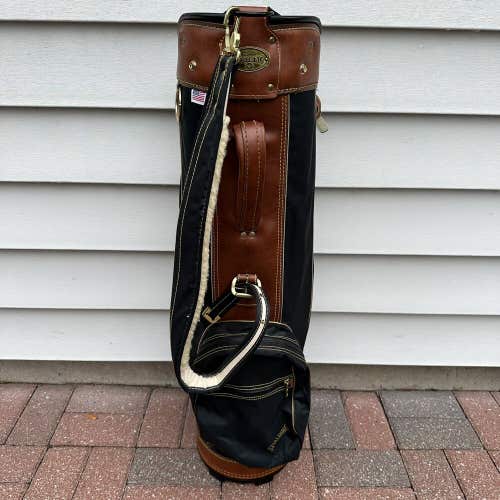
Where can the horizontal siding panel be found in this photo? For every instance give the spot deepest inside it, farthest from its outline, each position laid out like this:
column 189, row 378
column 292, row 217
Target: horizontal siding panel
column 374, row 284
column 380, row 339
column 348, row 221
column 458, row 14
column 89, row 145
column 363, row 70
column 142, row 147
column 88, row 217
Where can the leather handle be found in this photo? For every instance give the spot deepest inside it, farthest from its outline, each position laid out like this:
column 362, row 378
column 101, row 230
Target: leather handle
column 252, row 10
column 250, row 140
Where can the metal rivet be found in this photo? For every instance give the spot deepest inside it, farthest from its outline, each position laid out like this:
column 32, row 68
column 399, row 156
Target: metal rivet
column 272, row 39
column 251, row 233
column 270, row 86
column 192, row 65
column 303, row 68
column 243, row 234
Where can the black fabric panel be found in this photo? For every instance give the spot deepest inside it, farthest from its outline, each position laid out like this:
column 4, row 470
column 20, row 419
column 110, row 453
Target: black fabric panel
column 298, row 252
column 190, row 118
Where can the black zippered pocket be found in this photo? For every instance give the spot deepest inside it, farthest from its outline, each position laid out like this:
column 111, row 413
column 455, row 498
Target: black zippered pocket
column 265, row 404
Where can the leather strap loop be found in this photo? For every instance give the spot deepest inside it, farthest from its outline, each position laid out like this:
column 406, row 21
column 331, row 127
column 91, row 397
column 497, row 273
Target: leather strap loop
column 250, row 140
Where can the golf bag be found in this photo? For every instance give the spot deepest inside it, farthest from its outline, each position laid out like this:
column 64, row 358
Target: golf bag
column 242, row 286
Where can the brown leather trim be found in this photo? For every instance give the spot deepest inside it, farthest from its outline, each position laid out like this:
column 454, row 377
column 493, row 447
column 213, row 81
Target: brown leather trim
column 230, row 468
column 293, row 52
column 251, row 150
column 236, row 252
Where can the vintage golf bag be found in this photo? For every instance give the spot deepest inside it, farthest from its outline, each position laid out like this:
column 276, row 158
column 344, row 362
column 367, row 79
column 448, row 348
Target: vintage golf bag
column 242, row 284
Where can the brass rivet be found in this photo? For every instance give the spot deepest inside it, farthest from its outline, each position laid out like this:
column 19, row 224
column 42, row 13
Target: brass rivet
column 272, row 39
column 251, row 233
column 192, row 65
column 243, row 234
column 303, row 68
column 270, row 86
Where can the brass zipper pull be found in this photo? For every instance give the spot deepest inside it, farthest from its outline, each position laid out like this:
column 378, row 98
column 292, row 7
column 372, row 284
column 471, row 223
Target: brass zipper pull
column 320, row 121
column 289, row 384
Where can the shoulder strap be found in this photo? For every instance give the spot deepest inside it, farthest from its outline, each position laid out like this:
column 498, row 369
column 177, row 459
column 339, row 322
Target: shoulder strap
column 191, row 267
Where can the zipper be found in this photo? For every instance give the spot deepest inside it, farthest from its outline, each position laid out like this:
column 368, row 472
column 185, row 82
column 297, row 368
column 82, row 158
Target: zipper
column 257, row 387
column 258, row 391
column 288, row 382
column 205, row 341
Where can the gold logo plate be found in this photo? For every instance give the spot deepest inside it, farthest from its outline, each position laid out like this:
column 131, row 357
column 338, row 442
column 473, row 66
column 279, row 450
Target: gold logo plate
column 253, row 59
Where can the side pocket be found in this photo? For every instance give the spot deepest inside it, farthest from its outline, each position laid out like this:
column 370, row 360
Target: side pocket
column 260, row 415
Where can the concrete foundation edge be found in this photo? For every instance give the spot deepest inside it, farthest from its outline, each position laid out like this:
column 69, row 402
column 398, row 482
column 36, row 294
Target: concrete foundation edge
column 324, row 376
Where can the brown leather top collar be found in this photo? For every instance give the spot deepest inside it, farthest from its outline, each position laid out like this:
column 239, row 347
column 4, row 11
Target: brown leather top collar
column 287, row 56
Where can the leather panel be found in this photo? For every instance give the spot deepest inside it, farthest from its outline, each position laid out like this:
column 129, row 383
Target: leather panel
column 262, row 253
column 251, row 151
column 293, row 52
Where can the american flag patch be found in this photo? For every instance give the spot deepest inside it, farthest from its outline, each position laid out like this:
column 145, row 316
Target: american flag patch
column 198, row 96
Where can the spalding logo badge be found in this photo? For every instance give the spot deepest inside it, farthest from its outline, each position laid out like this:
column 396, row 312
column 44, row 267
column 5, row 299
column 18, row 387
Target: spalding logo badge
column 253, row 59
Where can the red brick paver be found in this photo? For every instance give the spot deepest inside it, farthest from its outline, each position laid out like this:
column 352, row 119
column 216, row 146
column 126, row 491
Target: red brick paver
column 369, row 425
column 236, row 491
column 13, row 399
column 495, row 455
column 118, row 442
column 40, row 417
column 12, row 491
column 360, row 468
column 105, row 474
column 476, row 473
column 190, row 431
column 366, row 494
column 134, row 492
column 109, row 399
column 18, row 463
column 484, row 413
column 431, row 475
column 164, row 420
column 297, row 480
column 496, row 396
column 97, row 429
column 58, row 475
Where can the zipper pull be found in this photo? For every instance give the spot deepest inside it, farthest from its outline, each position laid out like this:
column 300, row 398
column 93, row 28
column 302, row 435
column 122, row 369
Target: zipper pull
column 287, row 386
column 320, row 121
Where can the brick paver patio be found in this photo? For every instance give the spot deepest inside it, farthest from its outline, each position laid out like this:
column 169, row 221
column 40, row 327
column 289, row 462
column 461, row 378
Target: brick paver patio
column 105, row 442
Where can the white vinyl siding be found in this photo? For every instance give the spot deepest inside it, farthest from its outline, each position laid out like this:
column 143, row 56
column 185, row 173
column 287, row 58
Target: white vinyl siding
column 407, row 230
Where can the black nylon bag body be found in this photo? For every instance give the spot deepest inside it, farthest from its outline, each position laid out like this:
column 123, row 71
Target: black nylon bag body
column 242, row 285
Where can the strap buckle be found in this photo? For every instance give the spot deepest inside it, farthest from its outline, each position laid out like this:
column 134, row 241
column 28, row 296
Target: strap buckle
column 243, row 295
column 206, row 314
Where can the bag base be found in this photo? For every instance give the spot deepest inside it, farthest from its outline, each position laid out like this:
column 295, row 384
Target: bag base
column 226, row 468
